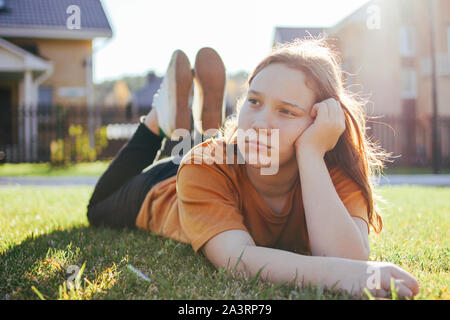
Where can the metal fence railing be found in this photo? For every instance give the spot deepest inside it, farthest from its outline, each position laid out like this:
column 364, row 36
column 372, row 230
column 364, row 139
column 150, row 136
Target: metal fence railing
column 409, row 140
column 64, row 134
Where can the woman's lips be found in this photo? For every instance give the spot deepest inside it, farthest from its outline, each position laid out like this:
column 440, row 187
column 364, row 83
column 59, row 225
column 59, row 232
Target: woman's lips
column 257, row 144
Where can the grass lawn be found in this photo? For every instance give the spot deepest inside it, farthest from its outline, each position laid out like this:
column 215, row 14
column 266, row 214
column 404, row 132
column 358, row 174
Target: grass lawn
column 413, row 170
column 45, row 169
column 44, row 233
column 98, row 167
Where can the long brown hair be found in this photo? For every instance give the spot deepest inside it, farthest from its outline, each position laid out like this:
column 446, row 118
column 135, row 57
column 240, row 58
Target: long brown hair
column 354, row 153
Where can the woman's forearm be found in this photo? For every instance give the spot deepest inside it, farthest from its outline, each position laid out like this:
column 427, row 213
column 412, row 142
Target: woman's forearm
column 331, row 230
column 279, row 265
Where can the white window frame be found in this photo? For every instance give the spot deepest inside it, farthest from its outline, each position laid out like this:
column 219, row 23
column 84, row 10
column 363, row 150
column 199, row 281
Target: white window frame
column 407, row 41
column 409, row 83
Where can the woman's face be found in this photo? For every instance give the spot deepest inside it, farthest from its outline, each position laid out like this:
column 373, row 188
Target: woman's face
column 279, row 99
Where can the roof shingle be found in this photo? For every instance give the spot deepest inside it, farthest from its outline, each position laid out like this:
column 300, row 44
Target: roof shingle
column 51, row 14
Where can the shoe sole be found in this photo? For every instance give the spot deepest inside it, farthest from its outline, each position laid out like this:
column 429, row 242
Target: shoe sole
column 180, row 88
column 210, row 81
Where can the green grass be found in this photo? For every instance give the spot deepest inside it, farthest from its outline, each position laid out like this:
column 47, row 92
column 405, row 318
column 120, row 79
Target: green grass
column 47, row 170
column 98, row 167
column 44, row 233
column 414, row 170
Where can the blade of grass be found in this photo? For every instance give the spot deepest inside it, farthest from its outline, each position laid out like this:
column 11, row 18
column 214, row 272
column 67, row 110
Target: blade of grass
column 393, row 290
column 369, row 295
column 40, row 295
column 256, row 277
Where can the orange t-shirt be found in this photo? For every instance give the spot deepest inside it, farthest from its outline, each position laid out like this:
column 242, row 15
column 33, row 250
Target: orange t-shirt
column 207, row 198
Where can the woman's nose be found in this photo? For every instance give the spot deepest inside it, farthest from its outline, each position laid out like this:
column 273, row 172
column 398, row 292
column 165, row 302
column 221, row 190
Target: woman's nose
column 262, row 121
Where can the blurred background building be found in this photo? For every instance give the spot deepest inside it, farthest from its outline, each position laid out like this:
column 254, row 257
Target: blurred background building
column 45, row 59
column 385, row 49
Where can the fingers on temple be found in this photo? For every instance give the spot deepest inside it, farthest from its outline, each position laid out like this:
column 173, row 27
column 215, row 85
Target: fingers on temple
column 323, row 111
column 329, row 109
column 335, row 112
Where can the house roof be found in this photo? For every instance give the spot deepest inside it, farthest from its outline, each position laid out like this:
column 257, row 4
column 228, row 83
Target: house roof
column 48, row 19
column 31, row 61
column 287, row 34
column 14, row 61
column 143, row 97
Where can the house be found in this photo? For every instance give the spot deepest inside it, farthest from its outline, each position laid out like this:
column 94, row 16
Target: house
column 392, row 61
column 385, row 50
column 287, row 34
column 142, row 98
column 45, row 59
column 119, row 96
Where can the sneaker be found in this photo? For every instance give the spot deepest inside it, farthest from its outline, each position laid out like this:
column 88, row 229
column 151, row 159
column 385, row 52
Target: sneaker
column 171, row 101
column 208, row 106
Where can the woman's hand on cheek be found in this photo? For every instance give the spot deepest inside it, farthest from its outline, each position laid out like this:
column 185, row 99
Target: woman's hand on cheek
column 323, row 134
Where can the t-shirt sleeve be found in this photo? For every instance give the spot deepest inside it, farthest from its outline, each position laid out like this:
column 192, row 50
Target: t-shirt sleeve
column 207, row 203
column 350, row 194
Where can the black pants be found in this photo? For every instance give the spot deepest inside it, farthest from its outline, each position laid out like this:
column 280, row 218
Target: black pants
column 121, row 190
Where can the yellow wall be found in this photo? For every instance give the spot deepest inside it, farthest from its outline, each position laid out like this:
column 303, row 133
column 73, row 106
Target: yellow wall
column 69, row 70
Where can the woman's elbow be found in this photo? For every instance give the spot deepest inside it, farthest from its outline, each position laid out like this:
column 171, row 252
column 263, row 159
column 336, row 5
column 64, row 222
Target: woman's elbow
column 225, row 249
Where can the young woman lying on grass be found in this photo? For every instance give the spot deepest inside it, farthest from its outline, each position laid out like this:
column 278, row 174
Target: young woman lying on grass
column 308, row 221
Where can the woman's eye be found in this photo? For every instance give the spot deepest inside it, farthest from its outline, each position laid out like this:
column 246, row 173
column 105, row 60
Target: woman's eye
column 252, row 101
column 287, row 112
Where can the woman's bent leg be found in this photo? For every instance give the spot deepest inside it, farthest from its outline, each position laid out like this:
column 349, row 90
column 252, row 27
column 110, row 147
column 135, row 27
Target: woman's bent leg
column 117, row 189
column 120, row 191
column 135, row 156
column 120, row 209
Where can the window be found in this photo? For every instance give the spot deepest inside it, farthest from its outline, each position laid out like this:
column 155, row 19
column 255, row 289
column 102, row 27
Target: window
column 409, row 84
column 45, row 98
column 448, row 41
column 407, row 41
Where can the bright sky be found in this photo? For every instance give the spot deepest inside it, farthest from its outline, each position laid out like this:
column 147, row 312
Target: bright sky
column 146, row 32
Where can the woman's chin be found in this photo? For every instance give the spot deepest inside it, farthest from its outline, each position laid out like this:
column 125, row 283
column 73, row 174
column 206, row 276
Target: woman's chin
column 257, row 165
column 256, row 160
